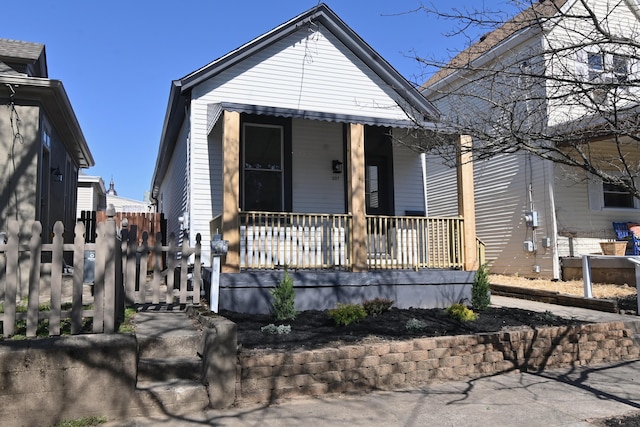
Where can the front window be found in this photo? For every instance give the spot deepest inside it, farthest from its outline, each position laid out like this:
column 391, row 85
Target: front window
column 263, row 167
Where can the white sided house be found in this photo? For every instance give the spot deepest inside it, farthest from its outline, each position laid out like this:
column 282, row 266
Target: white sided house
column 284, row 148
column 534, row 215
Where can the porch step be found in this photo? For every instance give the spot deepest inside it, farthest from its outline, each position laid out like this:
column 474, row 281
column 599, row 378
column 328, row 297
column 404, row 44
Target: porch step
column 166, row 334
column 177, row 397
column 185, row 368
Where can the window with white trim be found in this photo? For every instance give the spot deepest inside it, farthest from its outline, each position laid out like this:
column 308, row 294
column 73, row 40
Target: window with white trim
column 609, row 196
column 609, row 67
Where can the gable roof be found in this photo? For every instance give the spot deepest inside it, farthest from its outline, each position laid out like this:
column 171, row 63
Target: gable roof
column 20, row 57
column 323, row 15
column 544, row 9
column 320, row 14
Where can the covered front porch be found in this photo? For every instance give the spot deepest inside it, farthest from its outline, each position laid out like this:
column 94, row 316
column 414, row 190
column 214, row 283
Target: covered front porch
column 366, row 252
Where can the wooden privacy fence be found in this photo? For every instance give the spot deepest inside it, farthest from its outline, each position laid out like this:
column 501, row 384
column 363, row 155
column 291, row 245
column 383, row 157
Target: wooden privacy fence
column 155, row 224
column 120, row 278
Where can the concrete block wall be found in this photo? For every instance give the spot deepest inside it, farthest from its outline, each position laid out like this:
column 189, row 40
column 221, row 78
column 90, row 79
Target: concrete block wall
column 43, row 381
column 269, row 376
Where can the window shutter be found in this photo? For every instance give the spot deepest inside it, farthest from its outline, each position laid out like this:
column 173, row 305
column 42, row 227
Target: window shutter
column 582, row 65
column 595, row 193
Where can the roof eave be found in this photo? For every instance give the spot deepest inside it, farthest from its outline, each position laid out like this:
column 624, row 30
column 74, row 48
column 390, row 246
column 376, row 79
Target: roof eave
column 53, row 97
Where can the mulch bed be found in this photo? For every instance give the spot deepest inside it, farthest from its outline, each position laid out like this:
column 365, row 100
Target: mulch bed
column 315, row 329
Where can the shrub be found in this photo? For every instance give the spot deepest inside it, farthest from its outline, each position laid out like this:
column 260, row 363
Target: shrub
column 461, row 312
column 276, row 330
column 415, row 325
column 480, row 291
column 283, row 304
column 377, row 306
column 345, row 314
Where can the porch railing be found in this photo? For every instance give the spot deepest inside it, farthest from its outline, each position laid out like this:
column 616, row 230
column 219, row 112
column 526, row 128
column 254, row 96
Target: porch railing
column 322, row 241
column 271, row 240
column 400, row 242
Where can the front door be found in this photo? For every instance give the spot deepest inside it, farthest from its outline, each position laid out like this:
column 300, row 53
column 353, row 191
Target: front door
column 378, row 171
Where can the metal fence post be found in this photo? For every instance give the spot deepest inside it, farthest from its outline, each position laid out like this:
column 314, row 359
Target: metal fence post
column 586, row 275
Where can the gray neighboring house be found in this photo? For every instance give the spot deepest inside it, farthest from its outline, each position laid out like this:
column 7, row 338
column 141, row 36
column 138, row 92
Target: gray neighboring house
column 42, row 147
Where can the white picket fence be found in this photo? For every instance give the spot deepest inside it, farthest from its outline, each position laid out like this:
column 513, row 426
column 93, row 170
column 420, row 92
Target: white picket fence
column 32, row 294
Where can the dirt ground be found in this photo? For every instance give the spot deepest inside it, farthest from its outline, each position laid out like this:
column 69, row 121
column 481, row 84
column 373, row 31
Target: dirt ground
column 571, row 287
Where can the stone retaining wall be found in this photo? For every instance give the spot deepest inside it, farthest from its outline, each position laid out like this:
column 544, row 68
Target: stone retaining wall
column 269, row 376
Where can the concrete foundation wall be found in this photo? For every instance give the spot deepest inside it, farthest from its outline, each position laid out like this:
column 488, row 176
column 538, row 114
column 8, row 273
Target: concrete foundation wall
column 603, row 270
column 248, row 292
column 43, row 381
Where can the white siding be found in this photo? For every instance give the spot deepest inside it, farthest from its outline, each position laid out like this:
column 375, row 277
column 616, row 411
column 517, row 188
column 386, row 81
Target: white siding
column 442, row 188
column 85, row 201
column 615, row 17
column 501, row 199
column 173, row 187
column 408, row 180
column 305, row 71
column 583, row 228
column 503, row 186
column 316, row 189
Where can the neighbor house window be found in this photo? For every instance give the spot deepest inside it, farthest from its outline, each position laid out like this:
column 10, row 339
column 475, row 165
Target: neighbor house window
column 263, row 166
column 609, row 196
column 595, row 61
column 612, row 65
column 620, row 68
column 615, row 196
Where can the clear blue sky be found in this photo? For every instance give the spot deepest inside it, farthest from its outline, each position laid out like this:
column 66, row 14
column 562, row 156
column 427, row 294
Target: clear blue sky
column 117, row 58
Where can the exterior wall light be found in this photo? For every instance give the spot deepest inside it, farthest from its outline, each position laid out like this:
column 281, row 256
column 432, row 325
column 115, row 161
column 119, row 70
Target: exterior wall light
column 57, row 175
column 336, row 165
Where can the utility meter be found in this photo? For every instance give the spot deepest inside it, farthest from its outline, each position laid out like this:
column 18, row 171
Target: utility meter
column 531, row 218
column 528, row 246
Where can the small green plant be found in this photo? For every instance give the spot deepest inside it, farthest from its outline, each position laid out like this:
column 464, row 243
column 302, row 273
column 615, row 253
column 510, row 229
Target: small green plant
column 415, row 325
column 461, row 312
column 377, row 306
column 346, row 314
column 276, row 330
column 283, row 304
column 82, row 422
column 480, row 291
column 127, row 325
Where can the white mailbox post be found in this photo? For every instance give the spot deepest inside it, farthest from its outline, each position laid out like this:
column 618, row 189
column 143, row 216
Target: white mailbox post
column 219, row 248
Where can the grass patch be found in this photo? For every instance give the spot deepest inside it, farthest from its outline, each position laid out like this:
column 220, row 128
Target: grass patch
column 127, row 325
column 82, row 422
